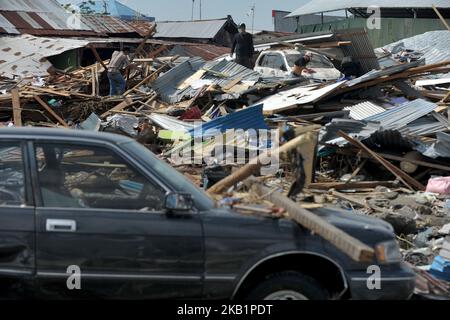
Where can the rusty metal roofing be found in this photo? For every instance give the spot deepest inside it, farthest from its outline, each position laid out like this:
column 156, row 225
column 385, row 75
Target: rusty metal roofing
column 205, row 51
column 142, row 27
column 107, row 24
column 40, row 17
column 26, row 55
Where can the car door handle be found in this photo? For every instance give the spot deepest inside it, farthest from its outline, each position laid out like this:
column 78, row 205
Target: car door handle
column 57, row 225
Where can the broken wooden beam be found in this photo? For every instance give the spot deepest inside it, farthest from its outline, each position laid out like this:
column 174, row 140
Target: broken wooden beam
column 17, row 109
column 265, row 158
column 126, row 103
column 350, row 185
column 354, row 248
column 401, row 175
column 53, row 113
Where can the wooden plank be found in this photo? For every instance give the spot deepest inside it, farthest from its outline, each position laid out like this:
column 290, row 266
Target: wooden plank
column 354, row 248
column 17, row 110
column 144, row 40
column 126, row 103
column 145, row 80
column 97, row 57
column 255, row 164
column 50, row 110
column 401, row 159
column 441, row 17
column 401, row 175
column 350, row 185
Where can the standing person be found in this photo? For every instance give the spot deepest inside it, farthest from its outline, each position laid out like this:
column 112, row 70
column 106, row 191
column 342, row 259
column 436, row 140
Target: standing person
column 243, row 45
column 119, row 61
column 301, row 63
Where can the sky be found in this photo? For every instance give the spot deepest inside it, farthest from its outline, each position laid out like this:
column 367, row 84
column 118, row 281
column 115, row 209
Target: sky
column 165, row 10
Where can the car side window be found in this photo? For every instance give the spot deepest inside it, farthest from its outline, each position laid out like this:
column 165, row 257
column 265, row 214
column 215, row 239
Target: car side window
column 269, row 61
column 72, row 176
column 12, row 181
column 263, row 61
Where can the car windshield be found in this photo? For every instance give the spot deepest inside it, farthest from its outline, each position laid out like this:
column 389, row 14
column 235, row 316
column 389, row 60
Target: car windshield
column 317, row 61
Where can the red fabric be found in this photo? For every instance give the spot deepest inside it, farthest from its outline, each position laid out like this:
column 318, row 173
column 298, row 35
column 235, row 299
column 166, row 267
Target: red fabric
column 193, row 113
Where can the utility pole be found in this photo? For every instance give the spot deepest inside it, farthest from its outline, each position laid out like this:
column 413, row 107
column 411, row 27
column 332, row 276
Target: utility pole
column 200, row 9
column 105, row 7
column 193, row 4
column 253, row 18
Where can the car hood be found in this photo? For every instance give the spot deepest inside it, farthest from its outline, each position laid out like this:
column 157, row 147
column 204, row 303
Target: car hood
column 367, row 229
column 323, row 74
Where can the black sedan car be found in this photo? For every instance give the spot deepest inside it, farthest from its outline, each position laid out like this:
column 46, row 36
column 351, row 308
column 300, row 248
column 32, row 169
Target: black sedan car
column 96, row 215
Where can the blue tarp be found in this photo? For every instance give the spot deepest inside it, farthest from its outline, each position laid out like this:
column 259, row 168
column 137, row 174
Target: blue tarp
column 440, row 268
column 249, row 118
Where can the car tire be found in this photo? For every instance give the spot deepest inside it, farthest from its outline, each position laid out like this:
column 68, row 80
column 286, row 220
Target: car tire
column 288, row 286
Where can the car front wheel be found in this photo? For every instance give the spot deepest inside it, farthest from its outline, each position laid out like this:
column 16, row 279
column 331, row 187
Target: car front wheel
column 288, row 286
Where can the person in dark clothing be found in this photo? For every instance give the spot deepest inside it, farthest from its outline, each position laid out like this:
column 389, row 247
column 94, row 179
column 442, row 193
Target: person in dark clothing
column 243, row 46
column 350, row 69
column 301, row 63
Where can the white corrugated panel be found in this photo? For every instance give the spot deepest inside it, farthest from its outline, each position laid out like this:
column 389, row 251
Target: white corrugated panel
column 316, row 6
column 203, row 29
column 364, row 110
column 25, row 56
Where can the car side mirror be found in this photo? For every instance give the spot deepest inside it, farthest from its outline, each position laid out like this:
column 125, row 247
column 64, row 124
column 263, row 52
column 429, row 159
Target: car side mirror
column 175, row 201
column 283, row 68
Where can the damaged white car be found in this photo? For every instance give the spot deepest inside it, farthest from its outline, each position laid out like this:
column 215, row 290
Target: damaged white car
column 279, row 63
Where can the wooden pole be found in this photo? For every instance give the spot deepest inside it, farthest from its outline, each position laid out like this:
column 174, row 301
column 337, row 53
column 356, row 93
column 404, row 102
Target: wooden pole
column 441, row 17
column 401, row 175
column 256, row 163
column 50, row 110
column 17, row 110
column 349, row 245
column 97, row 57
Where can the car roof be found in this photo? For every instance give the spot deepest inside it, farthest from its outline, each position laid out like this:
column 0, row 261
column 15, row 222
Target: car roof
column 287, row 51
column 45, row 133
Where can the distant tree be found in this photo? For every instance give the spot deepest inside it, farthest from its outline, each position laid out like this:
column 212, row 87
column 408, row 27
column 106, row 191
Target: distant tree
column 86, row 7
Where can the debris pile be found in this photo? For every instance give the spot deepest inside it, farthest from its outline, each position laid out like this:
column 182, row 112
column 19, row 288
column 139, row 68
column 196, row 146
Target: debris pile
column 375, row 144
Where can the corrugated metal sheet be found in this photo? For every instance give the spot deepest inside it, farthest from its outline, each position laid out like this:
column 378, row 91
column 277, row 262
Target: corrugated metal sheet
column 433, row 44
column 40, row 17
column 364, row 110
column 289, row 99
column 201, row 29
column 376, row 74
column 168, row 84
column 171, row 123
column 317, row 6
column 439, row 149
column 361, row 49
column 249, row 118
column 25, row 56
column 142, row 27
column 204, row 51
column 107, row 24
column 399, row 117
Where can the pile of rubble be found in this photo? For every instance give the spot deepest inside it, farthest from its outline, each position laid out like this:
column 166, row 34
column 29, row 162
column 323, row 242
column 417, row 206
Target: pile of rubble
column 376, row 144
